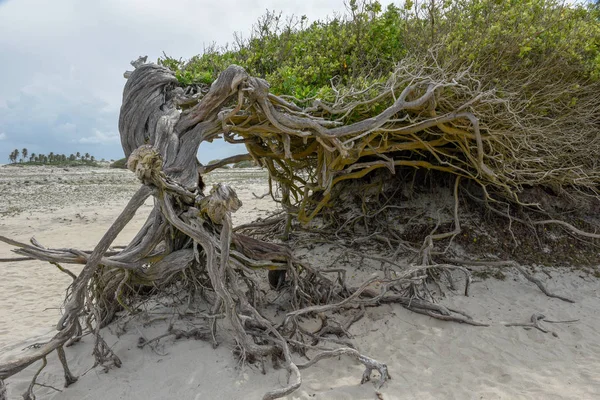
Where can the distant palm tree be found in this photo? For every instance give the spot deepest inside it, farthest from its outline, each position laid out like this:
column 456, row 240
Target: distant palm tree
column 87, row 156
column 24, row 153
column 32, row 157
column 51, row 157
column 78, row 155
column 16, row 153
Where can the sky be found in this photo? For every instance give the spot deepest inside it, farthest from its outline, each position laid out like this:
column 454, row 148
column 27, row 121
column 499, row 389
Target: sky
column 62, row 62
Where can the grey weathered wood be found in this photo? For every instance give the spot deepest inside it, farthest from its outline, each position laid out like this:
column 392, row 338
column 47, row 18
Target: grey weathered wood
column 226, row 161
column 11, row 366
column 149, row 116
column 75, row 303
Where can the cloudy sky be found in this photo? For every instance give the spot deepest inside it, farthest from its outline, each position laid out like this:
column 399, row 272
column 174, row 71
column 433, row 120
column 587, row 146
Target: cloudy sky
column 62, row 62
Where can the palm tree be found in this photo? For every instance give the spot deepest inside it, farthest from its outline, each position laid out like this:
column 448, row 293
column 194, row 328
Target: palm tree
column 32, row 157
column 92, row 159
column 16, row 153
column 24, row 153
column 11, row 157
column 78, row 155
column 51, row 157
column 87, row 156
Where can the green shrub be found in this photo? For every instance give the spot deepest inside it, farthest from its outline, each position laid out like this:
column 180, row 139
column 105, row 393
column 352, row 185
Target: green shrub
column 122, row 163
column 503, row 39
column 244, row 164
column 540, row 58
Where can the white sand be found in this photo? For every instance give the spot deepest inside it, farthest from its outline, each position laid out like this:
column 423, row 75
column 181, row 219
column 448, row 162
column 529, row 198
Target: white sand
column 428, row 359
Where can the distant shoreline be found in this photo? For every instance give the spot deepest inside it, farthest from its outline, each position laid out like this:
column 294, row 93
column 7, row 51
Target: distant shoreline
column 97, row 164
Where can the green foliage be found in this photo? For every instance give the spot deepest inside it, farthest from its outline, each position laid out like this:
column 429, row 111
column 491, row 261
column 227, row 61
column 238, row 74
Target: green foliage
column 539, row 59
column 508, row 34
column 51, row 159
column 13, row 156
column 122, row 163
column 244, row 164
column 503, row 39
column 300, row 59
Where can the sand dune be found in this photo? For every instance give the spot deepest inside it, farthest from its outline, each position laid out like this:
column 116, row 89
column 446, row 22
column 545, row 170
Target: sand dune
column 427, row 358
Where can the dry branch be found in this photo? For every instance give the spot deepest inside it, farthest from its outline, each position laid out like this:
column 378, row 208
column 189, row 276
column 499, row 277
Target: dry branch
column 226, row 161
column 535, row 323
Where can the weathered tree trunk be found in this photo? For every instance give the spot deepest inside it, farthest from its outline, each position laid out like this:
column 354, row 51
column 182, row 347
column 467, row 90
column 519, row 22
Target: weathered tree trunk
column 161, row 144
column 308, row 153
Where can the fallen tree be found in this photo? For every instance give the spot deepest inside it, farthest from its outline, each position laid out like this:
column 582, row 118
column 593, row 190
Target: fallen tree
column 316, row 155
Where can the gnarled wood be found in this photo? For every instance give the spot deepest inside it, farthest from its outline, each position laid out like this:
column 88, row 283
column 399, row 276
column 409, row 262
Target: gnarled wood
column 430, row 121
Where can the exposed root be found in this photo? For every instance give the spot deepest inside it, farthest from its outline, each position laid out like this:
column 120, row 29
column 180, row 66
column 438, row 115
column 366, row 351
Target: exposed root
column 201, row 333
column 535, row 323
column 2, row 390
column 519, row 268
column 369, row 363
column 539, row 284
column 28, row 395
column 69, row 377
column 323, row 162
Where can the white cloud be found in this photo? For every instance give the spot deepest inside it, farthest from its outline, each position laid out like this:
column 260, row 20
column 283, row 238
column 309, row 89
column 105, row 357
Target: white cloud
column 100, row 138
column 2, row 136
column 63, row 86
column 67, row 127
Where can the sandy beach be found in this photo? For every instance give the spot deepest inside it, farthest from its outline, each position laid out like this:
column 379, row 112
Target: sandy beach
column 427, row 358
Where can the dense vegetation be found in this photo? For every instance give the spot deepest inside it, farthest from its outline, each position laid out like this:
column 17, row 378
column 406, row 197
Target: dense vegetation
column 50, row 158
column 120, row 163
column 529, row 70
column 503, row 41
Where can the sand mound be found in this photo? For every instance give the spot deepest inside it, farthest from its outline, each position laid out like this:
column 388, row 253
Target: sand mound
column 427, row 358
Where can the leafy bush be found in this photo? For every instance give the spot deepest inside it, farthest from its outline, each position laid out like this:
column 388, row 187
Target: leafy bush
column 499, row 38
column 122, row 163
column 539, row 58
column 244, row 164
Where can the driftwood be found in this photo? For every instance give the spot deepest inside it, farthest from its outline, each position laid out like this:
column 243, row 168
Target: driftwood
column 309, row 152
